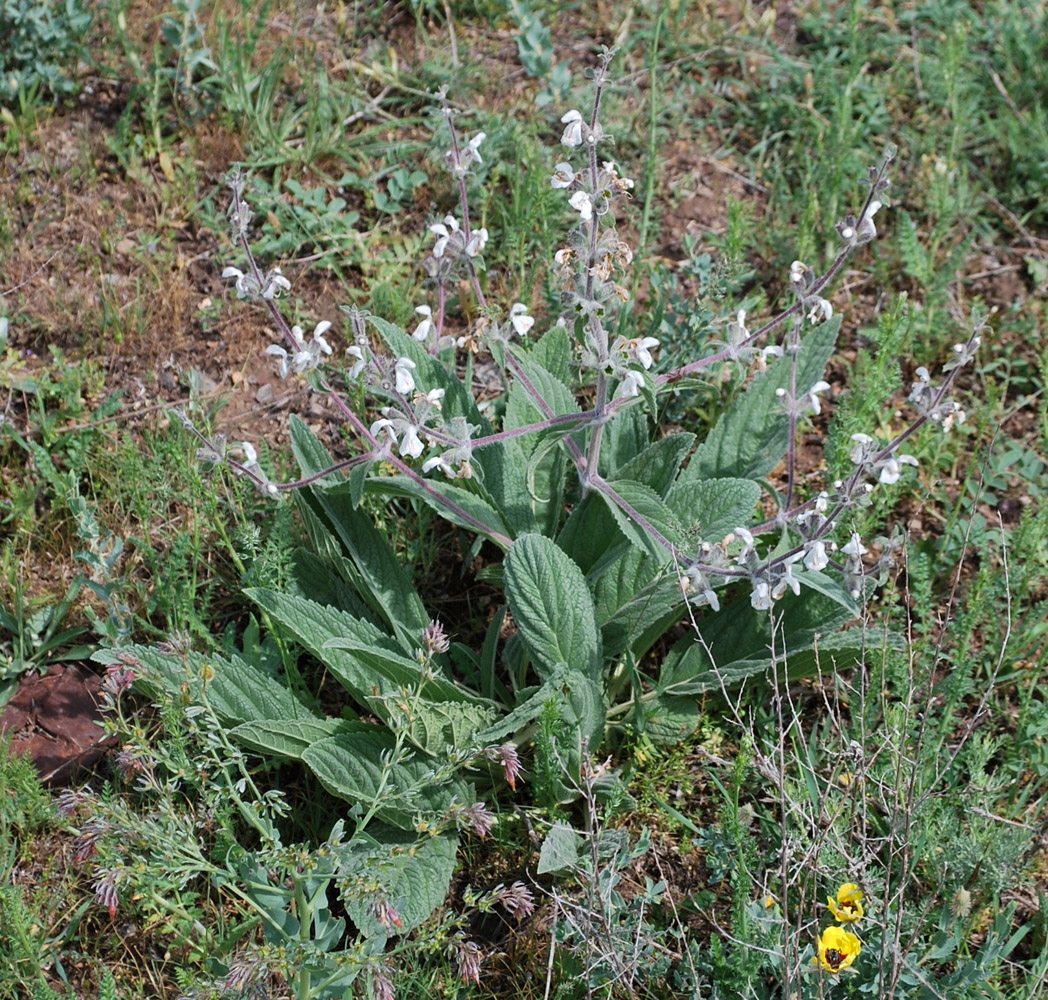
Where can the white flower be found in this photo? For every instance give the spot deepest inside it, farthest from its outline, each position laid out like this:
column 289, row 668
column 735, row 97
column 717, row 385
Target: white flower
column 583, row 204
column 854, row 548
column 473, row 150
column 695, row 586
column 767, row 353
column 573, row 131
column 787, row 580
column 385, row 424
column 737, row 331
column 631, row 383
column 813, row 395
column 443, row 231
column 746, row 537
column 642, row 351
column 275, row 283
column 308, row 356
column 820, row 307
column 760, row 599
column 815, row 558
column 434, row 397
column 866, row 229
column 798, row 270
column 411, row 444
column 520, row 319
column 564, row 256
column 244, row 283
column 564, row 176
column 403, row 368
column 422, row 331
column 477, row 241
column 318, row 336
column 892, row 468
column 250, row 455
column 862, row 451
column 277, row 351
column 357, row 353
column 438, row 462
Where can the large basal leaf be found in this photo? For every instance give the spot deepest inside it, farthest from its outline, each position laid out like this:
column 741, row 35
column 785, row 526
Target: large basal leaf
column 540, row 455
column 482, row 516
column 528, row 710
column 711, row 508
column 647, row 511
column 657, row 466
column 634, row 614
column 739, row 638
column 235, row 689
column 353, row 767
column 552, row 607
column 383, row 583
column 625, row 438
column 553, row 352
column 311, row 455
column 750, row 439
column 591, row 538
column 584, row 710
column 366, row 662
column 560, row 849
column 438, row 727
column 669, row 720
column 411, row 875
column 290, row 738
column 325, row 580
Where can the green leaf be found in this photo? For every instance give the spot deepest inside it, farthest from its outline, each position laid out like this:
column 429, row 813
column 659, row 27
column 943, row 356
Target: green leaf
column 553, row 352
column 528, row 710
column 636, row 609
column 591, row 538
column 740, row 640
column 646, row 503
column 410, row 874
column 311, row 455
column 235, row 689
column 353, row 766
column 438, row 726
column 560, row 850
column 552, row 607
column 657, row 466
column 472, row 504
column 625, row 438
column 540, row 455
column 713, row 507
column 381, row 580
column 291, row 737
column 325, row 579
column 751, row 437
column 669, row 719
column 368, row 663
column 584, row 709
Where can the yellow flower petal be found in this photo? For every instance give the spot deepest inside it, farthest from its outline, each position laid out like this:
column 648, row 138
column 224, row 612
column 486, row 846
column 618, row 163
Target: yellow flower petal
column 838, row 948
column 848, row 904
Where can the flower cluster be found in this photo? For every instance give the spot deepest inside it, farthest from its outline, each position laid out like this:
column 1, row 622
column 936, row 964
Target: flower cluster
column 838, row 948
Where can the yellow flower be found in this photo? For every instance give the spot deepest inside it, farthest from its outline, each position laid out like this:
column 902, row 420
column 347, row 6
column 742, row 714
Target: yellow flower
column 848, row 904
column 838, row 948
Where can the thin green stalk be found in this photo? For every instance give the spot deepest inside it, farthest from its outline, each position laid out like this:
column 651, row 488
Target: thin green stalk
column 649, row 166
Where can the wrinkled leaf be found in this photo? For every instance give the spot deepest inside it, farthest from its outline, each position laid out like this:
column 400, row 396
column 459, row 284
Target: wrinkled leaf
column 552, row 607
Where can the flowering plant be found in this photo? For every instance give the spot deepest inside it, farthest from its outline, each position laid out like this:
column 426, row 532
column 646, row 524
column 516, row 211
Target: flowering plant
column 611, row 533
column 848, row 904
column 838, row 948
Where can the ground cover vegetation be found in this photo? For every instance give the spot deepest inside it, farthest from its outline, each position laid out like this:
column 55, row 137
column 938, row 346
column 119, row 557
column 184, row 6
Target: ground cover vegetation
column 551, row 498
